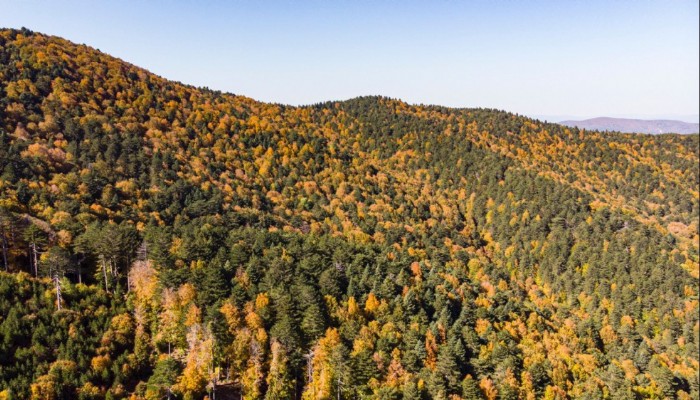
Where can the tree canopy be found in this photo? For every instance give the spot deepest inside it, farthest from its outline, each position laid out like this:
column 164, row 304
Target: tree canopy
column 164, row 240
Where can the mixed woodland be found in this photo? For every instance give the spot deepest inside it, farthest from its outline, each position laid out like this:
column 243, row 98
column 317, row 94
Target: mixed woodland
column 165, row 241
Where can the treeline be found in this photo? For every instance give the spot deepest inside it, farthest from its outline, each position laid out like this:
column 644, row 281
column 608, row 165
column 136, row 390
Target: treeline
column 163, row 240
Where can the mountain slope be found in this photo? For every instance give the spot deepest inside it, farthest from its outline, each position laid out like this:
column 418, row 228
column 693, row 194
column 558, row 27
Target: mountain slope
column 406, row 250
column 635, row 125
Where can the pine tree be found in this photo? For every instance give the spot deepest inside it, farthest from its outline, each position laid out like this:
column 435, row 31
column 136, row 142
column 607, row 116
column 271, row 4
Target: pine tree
column 37, row 240
column 470, row 389
column 55, row 263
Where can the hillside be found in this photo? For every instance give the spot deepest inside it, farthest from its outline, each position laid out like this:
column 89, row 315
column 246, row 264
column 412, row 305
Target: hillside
column 160, row 237
column 635, row 125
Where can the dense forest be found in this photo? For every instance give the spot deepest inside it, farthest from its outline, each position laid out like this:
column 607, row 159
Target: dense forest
column 165, row 241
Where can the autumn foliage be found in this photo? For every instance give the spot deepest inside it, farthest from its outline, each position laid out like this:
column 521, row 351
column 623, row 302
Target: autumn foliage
column 205, row 244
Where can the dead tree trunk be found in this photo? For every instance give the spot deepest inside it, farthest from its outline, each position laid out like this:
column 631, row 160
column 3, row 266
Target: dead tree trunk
column 103, row 263
column 35, row 258
column 57, row 283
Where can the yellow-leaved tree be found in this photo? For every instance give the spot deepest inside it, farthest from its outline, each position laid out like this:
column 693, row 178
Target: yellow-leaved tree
column 325, row 367
column 279, row 380
column 199, row 368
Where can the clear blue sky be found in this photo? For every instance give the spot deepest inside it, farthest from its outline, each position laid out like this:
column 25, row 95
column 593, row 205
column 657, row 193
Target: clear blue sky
column 539, row 58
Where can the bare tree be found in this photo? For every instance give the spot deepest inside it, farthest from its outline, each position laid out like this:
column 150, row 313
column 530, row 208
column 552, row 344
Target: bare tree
column 56, row 261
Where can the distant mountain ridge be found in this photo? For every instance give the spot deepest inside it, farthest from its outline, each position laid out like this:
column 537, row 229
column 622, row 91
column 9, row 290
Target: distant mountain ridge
column 635, row 125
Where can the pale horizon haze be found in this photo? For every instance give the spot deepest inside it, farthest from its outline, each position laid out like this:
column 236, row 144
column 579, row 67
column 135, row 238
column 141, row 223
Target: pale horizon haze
column 551, row 60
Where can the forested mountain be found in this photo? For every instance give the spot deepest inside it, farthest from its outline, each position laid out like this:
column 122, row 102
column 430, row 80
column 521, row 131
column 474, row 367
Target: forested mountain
column 165, row 240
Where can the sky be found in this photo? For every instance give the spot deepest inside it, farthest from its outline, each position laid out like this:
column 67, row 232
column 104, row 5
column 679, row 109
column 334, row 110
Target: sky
column 547, row 59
